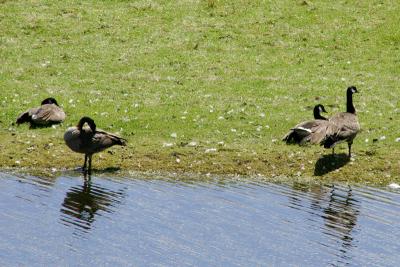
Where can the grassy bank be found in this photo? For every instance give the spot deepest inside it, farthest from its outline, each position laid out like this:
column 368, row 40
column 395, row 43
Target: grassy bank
column 203, row 86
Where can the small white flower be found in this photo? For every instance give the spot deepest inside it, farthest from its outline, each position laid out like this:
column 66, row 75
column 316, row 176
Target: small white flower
column 211, row 150
column 382, row 138
column 262, row 115
column 168, row 144
column 178, row 160
column 18, row 162
column 174, row 135
column 192, row 144
column 233, row 130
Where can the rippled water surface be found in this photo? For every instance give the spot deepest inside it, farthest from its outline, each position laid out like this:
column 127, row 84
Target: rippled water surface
column 135, row 222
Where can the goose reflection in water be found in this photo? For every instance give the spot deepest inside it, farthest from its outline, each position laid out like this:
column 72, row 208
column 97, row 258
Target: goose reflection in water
column 338, row 208
column 341, row 214
column 82, row 203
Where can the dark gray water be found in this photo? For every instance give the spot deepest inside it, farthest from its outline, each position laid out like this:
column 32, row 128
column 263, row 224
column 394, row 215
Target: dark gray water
column 134, row 222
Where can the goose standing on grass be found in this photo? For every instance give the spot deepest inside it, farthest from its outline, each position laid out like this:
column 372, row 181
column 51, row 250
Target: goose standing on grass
column 306, row 131
column 89, row 140
column 47, row 114
column 343, row 126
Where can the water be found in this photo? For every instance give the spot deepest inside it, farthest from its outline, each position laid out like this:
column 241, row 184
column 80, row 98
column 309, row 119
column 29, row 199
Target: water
column 134, row 222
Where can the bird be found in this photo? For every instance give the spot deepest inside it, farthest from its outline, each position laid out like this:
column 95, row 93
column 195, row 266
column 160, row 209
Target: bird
column 90, row 140
column 305, row 132
column 47, row 114
column 343, row 126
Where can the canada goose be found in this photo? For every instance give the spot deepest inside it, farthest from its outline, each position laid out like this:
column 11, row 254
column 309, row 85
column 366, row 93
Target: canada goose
column 343, row 126
column 302, row 132
column 89, row 140
column 47, row 114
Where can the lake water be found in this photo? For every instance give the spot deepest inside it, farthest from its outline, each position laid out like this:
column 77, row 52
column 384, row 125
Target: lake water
column 141, row 222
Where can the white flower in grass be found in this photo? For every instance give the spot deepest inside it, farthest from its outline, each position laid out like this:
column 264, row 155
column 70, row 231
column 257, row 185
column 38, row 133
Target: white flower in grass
column 168, row 144
column 174, row 135
column 192, row 144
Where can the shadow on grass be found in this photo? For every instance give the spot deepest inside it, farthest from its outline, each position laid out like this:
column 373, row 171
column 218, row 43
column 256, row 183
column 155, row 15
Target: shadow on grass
column 328, row 163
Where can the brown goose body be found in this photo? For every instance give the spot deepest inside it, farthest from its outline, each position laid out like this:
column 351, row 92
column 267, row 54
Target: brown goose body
column 88, row 140
column 344, row 126
column 47, row 114
column 307, row 132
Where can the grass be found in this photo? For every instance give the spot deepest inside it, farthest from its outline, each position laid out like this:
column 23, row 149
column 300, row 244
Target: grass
column 229, row 75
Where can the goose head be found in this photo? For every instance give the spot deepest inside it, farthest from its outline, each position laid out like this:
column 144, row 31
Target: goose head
column 351, row 90
column 49, row 100
column 318, row 109
column 87, row 120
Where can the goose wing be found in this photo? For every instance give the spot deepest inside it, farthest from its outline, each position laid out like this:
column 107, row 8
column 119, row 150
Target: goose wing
column 102, row 140
column 343, row 126
column 48, row 113
column 304, row 132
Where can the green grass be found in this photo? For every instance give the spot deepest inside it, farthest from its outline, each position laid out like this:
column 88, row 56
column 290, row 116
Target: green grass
column 211, row 71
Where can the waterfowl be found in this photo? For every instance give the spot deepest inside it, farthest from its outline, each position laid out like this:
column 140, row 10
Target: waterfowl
column 90, row 140
column 306, row 131
column 47, row 114
column 343, row 126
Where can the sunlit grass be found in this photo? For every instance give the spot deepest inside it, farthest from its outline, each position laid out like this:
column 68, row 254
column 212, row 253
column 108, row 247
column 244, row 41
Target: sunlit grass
column 232, row 76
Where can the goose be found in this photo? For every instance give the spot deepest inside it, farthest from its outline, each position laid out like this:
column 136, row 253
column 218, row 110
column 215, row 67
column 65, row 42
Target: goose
column 47, row 114
column 90, row 140
column 343, row 126
column 303, row 132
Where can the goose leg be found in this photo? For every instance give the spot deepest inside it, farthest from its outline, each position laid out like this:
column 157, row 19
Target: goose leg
column 350, row 143
column 90, row 165
column 84, row 164
column 333, row 151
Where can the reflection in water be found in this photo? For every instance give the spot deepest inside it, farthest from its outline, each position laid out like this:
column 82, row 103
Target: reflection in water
column 143, row 222
column 341, row 215
column 83, row 202
column 340, row 210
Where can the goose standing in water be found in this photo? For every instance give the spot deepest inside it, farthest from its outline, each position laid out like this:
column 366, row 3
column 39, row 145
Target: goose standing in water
column 47, row 114
column 342, row 126
column 306, row 131
column 89, row 140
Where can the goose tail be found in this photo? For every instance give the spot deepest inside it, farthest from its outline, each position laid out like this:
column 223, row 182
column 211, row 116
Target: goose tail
column 24, row 117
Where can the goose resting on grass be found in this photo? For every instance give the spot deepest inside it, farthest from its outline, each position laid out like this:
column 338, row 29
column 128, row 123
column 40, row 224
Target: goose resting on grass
column 342, row 126
column 89, row 140
column 47, row 114
column 307, row 131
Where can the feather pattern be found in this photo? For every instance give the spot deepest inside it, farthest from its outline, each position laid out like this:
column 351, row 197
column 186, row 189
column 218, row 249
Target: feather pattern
column 47, row 114
column 88, row 140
